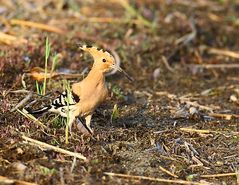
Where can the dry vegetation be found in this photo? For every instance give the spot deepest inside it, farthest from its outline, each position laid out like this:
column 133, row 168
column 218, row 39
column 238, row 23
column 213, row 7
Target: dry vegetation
column 177, row 123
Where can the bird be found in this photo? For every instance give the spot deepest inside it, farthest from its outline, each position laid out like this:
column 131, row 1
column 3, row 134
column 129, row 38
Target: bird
column 85, row 96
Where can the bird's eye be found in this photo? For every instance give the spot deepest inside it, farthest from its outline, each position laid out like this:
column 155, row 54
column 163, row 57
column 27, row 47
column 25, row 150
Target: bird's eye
column 103, row 60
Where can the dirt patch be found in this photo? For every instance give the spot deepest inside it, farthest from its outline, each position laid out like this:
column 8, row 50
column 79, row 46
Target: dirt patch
column 167, row 116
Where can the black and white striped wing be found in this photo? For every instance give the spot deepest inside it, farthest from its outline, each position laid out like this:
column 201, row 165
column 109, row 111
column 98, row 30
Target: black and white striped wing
column 64, row 99
column 64, row 102
column 61, row 105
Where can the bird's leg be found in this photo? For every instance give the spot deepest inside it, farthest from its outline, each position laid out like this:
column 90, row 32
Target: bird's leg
column 81, row 126
column 71, row 120
column 87, row 123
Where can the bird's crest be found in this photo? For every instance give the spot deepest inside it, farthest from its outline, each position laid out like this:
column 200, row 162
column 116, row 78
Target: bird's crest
column 94, row 51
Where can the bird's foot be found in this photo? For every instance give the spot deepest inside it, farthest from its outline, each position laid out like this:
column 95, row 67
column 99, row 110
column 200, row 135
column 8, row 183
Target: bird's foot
column 84, row 129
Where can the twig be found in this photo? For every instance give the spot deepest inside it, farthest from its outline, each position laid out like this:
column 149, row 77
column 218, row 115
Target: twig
column 62, row 176
column 165, row 61
column 219, row 175
column 31, row 117
column 195, row 104
column 38, row 74
column 9, row 39
column 98, row 20
column 206, row 131
column 176, row 181
column 6, row 180
column 21, row 91
column 186, row 39
column 56, row 149
column 223, row 52
column 215, row 66
column 168, row 172
column 23, row 102
column 23, row 81
column 37, row 25
column 214, row 17
column 195, row 130
column 110, row 20
column 73, row 164
column 233, row 78
column 223, row 116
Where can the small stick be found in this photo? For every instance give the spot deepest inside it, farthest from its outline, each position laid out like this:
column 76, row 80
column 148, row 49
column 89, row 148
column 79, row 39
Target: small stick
column 224, row 116
column 219, row 175
column 195, row 130
column 165, row 61
column 97, row 20
column 62, row 176
column 56, row 149
column 227, row 53
column 205, row 131
column 233, row 78
column 195, row 104
column 73, row 164
column 37, row 25
column 23, row 102
column 186, row 39
column 31, row 117
column 176, row 181
column 9, row 39
column 6, row 180
column 20, row 91
column 216, row 66
column 168, row 172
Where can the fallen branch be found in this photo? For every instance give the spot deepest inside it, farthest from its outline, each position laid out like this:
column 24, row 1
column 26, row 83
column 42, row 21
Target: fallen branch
column 223, row 52
column 176, row 181
column 195, row 104
column 165, row 61
column 31, row 117
column 113, row 20
column 215, row 66
column 195, row 130
column 10, row 39
column 37, row 25
column 56, row 149
column 21, row 91
column 233, row 78
column 7, row 181
column 38, row 73
column 186, row 39
column 219, row 175
column 23, row 102
column 168, row 172
column 224, row 116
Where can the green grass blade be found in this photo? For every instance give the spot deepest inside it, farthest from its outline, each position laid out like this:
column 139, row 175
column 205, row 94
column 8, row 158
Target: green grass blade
column 47, row 53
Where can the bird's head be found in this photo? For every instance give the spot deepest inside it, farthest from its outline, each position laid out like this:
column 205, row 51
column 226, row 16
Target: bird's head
column 103, row 60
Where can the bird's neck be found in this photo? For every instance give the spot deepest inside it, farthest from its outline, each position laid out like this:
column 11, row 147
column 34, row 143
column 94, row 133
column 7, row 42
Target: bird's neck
column 96, row 76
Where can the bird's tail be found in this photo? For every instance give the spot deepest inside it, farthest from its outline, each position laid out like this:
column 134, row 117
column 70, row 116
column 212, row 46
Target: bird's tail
column 39, row 111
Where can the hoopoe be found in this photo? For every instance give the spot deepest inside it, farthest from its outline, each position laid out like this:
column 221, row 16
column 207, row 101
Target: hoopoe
column 86, row 95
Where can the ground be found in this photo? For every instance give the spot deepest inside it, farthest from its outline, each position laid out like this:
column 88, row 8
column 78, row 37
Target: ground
column 178, row 120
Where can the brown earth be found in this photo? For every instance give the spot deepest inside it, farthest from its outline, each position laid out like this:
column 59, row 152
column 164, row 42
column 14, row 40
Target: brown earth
column 166, row 97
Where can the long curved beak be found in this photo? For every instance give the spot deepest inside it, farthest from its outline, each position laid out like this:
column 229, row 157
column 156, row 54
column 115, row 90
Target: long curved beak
column 118, row 68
